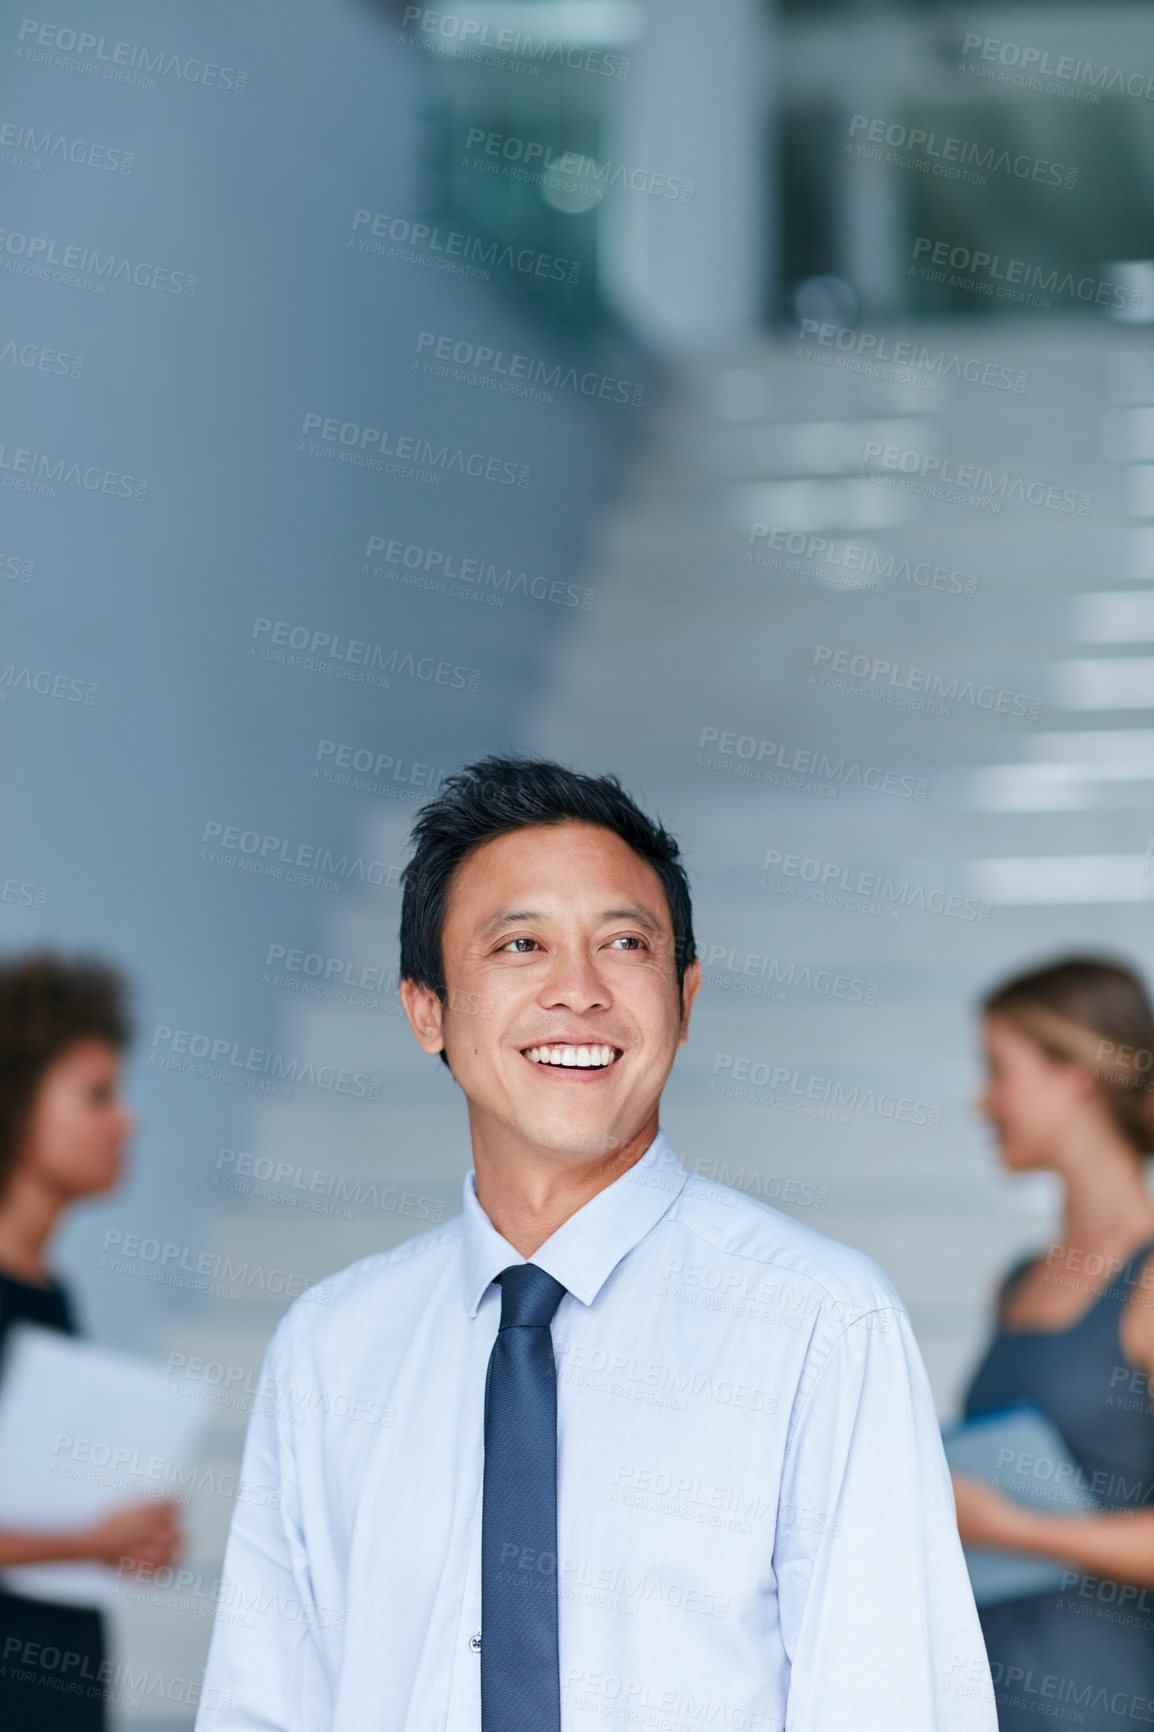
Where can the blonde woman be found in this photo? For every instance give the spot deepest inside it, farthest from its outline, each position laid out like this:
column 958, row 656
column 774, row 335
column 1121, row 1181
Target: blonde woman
column 1070, row 1050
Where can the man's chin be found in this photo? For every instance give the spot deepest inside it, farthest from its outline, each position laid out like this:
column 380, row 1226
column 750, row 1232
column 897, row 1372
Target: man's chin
column 580, row 1139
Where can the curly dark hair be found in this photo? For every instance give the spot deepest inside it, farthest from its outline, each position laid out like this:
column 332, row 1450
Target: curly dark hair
column 500, row 794
column 48, row 1003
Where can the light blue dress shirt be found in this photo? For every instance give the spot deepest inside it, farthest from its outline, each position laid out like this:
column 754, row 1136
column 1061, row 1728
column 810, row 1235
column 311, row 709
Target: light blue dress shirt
column 755, row 1522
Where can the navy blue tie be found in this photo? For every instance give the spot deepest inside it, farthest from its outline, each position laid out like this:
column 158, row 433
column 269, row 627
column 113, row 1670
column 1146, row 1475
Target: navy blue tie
column 520, row 1672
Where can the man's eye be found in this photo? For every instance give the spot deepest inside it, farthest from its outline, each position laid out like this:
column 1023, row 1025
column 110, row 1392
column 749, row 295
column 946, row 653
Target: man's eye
column 629, row 938
column 519, row 941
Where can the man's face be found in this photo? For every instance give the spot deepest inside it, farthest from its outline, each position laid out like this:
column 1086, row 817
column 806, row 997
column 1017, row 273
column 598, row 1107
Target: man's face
column 558, row 954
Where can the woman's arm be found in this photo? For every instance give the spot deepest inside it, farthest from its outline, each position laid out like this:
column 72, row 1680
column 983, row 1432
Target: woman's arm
column 1118, row 1544
column 142, row 1533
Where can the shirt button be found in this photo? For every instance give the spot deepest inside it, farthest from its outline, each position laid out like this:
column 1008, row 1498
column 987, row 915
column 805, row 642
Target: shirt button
column 475, row 1642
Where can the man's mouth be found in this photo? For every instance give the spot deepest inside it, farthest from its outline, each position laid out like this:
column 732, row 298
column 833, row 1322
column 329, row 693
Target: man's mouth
column 595, row 1056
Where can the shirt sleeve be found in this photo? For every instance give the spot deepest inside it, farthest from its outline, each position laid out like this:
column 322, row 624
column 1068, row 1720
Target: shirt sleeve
column 265, row 1671
column 877, row 1615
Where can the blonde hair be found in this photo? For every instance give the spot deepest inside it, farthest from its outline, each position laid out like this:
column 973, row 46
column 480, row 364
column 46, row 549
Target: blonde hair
column 1096, row 1013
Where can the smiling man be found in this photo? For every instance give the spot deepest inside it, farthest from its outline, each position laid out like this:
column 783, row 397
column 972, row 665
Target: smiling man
column 615, row 1443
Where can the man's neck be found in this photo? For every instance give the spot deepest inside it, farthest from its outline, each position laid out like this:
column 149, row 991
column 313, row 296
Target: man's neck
column 529, row 1194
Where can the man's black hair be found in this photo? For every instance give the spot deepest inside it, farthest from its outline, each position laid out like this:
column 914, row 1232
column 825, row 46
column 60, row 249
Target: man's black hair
column 495, row 796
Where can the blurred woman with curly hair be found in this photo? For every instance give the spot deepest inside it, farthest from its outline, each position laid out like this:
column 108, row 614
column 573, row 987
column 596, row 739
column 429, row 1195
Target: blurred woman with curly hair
column 64, row 1129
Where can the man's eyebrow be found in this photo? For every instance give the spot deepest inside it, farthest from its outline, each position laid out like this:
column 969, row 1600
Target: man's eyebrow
column 508, row 917
column 514, row 916
column 637, row 915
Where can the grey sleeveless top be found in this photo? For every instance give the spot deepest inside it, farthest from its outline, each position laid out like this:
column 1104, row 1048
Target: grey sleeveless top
column 1083, row 1656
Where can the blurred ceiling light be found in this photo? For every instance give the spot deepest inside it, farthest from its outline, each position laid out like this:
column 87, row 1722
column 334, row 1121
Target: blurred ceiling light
column 1059, row 878
column 1128, row 435
column 1135, row 277
column 788, row 448
column 1133, row 746
column 1132, row 377
column 825, row 300
column 739, row 394
column 568, row 196
column 1059, row 787
column 1140, row 489
column 1114, row 616
column 605, row 23
column 1122, row 683
column 818, row 505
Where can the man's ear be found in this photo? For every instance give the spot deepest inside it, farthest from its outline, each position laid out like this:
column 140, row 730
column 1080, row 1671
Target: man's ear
column 425, row 1012
column 690, row 988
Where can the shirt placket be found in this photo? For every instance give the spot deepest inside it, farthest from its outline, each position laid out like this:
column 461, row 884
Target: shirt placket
column 464, row 1705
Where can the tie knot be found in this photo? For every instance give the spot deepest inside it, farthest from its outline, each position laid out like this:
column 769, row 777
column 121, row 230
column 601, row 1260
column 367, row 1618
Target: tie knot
column 529, row 1297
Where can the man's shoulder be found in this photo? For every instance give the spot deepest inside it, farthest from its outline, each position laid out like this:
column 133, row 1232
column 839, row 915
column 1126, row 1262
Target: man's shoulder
column 385, row 1284
column 746, row 1229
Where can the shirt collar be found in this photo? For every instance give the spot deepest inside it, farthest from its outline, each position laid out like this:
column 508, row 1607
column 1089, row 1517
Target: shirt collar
column 586, row 1248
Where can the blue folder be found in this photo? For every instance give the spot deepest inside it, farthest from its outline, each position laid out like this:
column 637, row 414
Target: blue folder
column 1020, row 1452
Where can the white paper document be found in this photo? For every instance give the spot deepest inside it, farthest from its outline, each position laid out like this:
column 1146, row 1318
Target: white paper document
column 84, row 1430
column 1018, row 1450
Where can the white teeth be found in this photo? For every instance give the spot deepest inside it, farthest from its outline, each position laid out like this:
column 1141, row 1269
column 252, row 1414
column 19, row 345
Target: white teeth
column 572, row 1057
